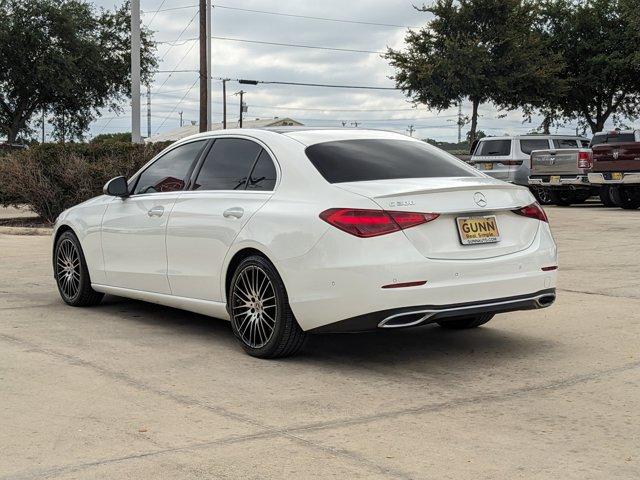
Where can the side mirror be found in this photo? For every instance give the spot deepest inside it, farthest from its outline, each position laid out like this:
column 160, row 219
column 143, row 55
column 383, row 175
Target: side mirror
column 117, row 187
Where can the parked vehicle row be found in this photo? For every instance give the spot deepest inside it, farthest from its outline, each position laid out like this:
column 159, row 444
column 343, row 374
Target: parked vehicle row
column 565, row 170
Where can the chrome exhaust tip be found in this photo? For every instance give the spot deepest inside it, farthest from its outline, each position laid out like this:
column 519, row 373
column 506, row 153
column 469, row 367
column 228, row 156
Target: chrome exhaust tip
column 545, row 300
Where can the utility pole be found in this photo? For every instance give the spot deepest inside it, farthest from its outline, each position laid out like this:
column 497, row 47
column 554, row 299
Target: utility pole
column 180, row 113
column 242, row 106
column 148, row 111
column 204, row 74
column 460, row 122
column 411, row 130
column 224, row 103
column 43, row 125
column 135, row 71
column 209, row 70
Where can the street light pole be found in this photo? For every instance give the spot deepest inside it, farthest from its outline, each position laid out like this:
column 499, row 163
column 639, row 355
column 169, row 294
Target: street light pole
column 204, row 74
column 224, row 103
column 241, row 93
column 135, row 71
column 209, row 70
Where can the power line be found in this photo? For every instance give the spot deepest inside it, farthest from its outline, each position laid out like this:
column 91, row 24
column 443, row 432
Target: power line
column 169, row 9
column 309, row 17
column 280, row 14
column 296, row 45
column 156, row 13
column 278, row 44
column 302, row 84
column 177, row 104
column 175, row 69
column 173, row 42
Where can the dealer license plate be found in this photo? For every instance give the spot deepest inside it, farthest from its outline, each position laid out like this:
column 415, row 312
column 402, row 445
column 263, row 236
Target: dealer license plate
column 475, row 230
column 487, row 166
column 555, row 179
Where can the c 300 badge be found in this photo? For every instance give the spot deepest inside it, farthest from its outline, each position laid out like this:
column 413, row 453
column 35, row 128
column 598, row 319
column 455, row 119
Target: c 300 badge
column 402, row 204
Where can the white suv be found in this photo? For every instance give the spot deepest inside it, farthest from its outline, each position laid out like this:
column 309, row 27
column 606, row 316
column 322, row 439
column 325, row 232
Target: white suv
column 507, row 158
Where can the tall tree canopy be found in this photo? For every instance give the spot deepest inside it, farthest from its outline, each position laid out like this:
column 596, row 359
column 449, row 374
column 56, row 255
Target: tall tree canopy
column 65, row 58
column 598, row 42
column 480, row 50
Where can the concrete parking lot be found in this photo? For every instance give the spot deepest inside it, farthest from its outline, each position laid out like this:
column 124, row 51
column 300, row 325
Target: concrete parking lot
column 131, row 390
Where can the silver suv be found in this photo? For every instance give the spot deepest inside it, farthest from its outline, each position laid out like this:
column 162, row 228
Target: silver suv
column 507, row 158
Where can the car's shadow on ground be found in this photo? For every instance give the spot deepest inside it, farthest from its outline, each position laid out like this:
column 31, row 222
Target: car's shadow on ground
column 482, row 346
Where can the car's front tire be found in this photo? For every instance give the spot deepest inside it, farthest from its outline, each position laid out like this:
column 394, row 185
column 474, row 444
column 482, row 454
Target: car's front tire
column 261, row 317
column 71, row 272
column 467, row 322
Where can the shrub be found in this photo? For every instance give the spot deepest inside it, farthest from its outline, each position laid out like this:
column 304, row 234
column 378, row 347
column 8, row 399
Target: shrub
column 50, row 178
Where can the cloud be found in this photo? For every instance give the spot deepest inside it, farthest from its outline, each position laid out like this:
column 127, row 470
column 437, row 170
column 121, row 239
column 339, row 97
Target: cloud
column 279, row 63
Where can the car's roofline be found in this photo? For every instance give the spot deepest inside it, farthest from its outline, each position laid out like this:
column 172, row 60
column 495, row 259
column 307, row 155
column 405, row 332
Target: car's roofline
column 533, row 136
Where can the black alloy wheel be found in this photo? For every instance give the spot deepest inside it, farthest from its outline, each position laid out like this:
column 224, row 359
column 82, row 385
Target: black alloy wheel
column 71, row 273
column 261, row 317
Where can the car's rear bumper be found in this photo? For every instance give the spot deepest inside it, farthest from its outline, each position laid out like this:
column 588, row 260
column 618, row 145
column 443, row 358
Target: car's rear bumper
column 342, row 277
column 630, row 178
column 559, row 181
column 421, row 315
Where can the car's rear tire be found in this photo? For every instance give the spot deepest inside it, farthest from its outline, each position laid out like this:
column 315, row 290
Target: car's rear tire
column 581, row 195
column 261, row 317
column 627, row 198
column 542, row 195
column 605, row 196
column 466, row 322
column 563, row 198
column 71, row 273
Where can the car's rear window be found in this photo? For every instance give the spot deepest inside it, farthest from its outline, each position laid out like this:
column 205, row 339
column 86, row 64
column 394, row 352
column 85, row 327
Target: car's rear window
column 379, row 159
column 493, row 148
column 600, row 138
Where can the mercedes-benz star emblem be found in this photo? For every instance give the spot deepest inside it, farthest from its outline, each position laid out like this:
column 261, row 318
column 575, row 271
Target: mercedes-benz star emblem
column 480, row 199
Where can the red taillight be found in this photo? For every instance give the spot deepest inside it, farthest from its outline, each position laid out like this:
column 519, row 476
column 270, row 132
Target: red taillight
column 533, row 211
column 371, row 223
column 585, row 160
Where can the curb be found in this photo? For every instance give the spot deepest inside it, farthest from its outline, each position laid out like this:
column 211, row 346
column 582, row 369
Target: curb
column 26, row 231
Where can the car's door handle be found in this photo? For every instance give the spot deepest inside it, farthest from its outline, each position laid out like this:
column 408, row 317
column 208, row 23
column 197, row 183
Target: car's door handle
column 156, row 212
column 236, row 212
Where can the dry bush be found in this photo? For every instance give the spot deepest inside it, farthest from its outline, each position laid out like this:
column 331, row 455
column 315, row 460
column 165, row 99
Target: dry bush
column 52, row 177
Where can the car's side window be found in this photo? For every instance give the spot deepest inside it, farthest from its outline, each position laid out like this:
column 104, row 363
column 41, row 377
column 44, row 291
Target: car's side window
column 564, row 143
column 263, row 176
column 227, row 165
column 170, row 172
column 528, row 146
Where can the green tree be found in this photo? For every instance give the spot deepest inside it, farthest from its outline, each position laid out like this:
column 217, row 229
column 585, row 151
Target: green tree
column 480, row 50
column 65, row 58
column 598, row 42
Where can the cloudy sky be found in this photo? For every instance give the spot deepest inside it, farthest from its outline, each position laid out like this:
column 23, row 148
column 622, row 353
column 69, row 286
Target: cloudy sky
column 176, row 21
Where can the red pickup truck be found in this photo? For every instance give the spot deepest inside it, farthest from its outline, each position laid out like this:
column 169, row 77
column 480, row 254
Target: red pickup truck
column 616, row 165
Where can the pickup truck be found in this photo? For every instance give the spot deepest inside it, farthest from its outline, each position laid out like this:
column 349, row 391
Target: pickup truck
column 616, row 166
column 560, row 176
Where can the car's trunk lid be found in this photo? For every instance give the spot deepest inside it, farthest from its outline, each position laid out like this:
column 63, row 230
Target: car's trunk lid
column 453, row 198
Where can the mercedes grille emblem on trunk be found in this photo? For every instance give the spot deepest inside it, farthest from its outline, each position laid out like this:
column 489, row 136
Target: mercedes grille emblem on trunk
column 480, row 199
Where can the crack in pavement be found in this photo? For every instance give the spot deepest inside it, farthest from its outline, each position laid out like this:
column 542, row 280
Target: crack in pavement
column 293, row 432
column 266, row 430
column 597, row 293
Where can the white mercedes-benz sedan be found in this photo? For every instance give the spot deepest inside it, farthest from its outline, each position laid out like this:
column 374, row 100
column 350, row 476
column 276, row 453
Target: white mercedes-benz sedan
column 293, row 231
